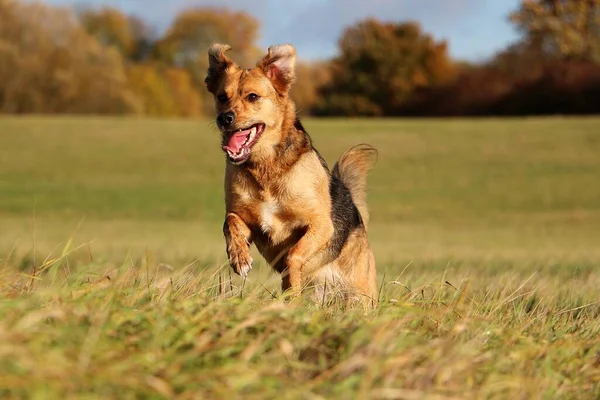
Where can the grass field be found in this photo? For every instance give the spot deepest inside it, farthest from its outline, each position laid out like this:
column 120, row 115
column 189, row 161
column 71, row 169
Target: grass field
column 114, row 283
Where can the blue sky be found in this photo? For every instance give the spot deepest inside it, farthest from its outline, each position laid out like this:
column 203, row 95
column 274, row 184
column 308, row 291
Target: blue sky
column 475, row 29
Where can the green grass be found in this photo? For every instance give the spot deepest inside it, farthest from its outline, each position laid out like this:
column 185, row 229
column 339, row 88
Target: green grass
column 114, row 283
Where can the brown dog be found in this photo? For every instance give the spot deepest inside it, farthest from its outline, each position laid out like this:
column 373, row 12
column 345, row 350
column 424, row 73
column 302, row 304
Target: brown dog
column 307, row 222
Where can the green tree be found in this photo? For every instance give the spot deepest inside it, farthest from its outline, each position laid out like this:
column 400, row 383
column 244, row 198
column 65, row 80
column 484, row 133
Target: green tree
column 380, row 66
column 561, row 29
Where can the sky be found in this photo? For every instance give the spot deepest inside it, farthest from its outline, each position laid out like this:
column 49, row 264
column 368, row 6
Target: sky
column 474, row 29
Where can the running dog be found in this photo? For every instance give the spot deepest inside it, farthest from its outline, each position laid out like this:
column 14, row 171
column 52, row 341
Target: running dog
column 309, row 223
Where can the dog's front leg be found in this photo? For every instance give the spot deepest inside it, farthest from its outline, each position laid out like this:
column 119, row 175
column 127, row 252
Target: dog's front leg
column 237, row 239
column 308, row 253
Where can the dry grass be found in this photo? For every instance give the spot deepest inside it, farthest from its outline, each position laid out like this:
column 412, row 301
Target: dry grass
column 139, row 330
column 486, row 235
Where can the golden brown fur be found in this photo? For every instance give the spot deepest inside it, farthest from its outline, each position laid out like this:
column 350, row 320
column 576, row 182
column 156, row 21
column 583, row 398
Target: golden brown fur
column 307, row 222
column 352, row 170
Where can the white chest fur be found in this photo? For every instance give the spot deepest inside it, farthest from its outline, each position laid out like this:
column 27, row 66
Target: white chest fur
column 268, row 215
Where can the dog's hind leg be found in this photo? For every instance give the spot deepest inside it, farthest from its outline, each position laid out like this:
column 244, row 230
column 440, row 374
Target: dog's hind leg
column 309, row 252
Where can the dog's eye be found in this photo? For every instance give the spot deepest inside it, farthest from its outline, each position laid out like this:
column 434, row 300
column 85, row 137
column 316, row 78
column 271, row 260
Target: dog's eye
column 222, row 98
column 252, row 97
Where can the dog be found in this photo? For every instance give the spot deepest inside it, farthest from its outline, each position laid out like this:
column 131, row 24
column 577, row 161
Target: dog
column 309, row 223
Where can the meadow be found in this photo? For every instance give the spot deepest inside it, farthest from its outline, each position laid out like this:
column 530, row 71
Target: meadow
column 114, row 281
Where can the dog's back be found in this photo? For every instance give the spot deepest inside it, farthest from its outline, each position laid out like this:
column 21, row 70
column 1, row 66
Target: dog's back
column 352, row 274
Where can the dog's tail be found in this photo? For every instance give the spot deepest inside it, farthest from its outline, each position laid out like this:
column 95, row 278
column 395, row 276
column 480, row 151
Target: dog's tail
column 352, row 170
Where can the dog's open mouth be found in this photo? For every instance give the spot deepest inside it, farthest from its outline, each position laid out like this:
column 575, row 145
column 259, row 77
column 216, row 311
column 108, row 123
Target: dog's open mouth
column 237, row 144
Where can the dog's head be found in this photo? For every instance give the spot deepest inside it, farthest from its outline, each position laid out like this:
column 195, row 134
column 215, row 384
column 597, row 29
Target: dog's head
column 251, row 104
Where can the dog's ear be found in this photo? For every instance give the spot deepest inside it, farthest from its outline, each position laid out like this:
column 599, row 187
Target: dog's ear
column 279, row 65
column 217, row 64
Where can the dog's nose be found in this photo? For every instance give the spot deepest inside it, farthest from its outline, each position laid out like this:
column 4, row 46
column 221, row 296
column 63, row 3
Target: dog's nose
column 226, row 119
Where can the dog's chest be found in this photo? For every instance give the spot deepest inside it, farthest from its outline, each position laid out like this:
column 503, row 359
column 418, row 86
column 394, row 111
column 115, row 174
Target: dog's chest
column 275, row 212
column 268, row 215
column 276, row 220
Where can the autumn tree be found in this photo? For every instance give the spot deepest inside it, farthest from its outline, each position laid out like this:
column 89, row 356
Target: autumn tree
column 110, row 27
column 310, row 78
column 561, row 29
column 164, row 91
column 380, row 65
column 49, row 64
column 127, row 33
column 186, row 98
column 152, row 89
column 186, row 42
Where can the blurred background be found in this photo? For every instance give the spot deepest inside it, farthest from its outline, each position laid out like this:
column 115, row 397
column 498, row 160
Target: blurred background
column 377, row 58
column 106, row 143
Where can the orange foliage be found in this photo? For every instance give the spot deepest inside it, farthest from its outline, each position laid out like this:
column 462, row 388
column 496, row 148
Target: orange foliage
column 110, row 27
column 310, row 77
column 56, row 67
column 151, row 87
column 186, row 98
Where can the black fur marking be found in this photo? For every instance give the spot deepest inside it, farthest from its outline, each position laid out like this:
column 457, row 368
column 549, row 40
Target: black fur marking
column 298, row 125
column 344, row 215
column 321, row 159
column 298, row 145
column 226, row 231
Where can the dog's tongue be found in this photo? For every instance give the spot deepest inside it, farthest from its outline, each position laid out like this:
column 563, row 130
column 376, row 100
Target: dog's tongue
column 236, row 141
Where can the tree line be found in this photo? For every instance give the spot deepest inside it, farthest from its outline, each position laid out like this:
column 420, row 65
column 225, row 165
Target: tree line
column 103, row 61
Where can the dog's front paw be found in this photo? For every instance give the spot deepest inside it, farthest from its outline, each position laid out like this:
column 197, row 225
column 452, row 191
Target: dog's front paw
column 240, row 261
